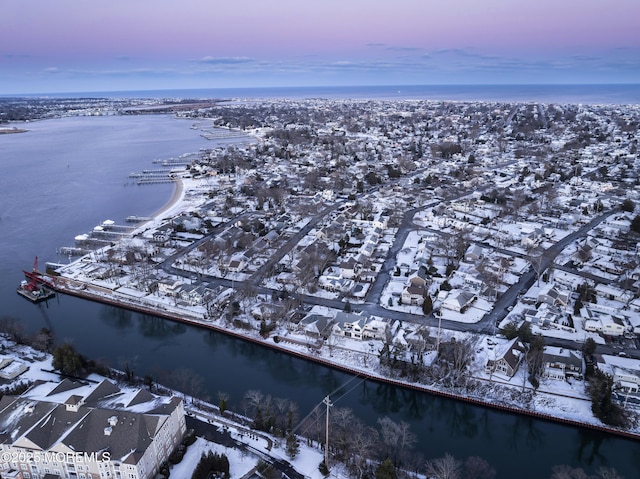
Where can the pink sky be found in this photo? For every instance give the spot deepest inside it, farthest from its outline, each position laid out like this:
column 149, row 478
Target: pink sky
column 142, row 44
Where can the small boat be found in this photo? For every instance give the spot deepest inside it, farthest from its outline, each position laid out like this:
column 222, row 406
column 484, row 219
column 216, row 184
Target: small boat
column 34, row 293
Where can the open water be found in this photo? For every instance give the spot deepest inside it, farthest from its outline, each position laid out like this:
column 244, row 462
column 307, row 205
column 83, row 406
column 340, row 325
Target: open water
column 65, row 176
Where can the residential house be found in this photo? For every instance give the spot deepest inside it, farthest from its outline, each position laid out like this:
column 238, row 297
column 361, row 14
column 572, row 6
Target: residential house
column 627, row 379
column 350, row 268
column 419, row 339
column 420, row 277
column 625, row 373
column 507, row 358
column 561, row 364
column 552, row 296
column 162, row 234
column 612, row 293
column 336, row 285
column 473, row 281
column 268, row 311
column 168, row 287
column 350, row 325
column 368, row 248
column 237, row 263
column 531, row 236
column 612, row 326
column 316, row 325
column 413, row 295
column 194, row 295
column 459, row 300
column 473, row 253
column 375, row 329
column 11, row 368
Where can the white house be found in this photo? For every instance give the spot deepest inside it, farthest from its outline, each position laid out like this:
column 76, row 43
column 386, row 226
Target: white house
column 375, row 329
column 414, row 295
column 459, row 300
column 350, row 325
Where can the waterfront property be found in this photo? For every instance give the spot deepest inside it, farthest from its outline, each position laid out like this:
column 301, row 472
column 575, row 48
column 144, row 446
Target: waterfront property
column 78, row 429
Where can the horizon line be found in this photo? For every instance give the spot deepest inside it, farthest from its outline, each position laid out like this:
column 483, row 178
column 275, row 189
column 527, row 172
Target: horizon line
column 280, row 87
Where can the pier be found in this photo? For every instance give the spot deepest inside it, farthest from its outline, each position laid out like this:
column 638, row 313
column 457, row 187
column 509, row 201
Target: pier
column 73, row 251
column 221, row 135
column 152, row 181
column 105, row 234
column 138, row 219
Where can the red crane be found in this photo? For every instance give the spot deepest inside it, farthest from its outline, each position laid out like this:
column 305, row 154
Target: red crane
column 32, row 284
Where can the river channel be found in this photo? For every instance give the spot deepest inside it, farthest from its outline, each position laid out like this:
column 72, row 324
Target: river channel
column 65, row 176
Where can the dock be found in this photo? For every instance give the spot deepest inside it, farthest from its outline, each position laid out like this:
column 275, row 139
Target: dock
column 36, row 296
column 138, row 219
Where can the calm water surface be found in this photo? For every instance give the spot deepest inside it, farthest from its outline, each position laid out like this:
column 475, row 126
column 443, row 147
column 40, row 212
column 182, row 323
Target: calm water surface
column 66, row 176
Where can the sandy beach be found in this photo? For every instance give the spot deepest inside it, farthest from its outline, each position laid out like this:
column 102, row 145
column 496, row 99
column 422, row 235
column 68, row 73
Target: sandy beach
column 173, row 203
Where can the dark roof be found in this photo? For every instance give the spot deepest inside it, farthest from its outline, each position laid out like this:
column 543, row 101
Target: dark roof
column 133, row 432
column 104, row 389
column 54, row 425
column 141, row 396
column 18, row 417
column 65, row 385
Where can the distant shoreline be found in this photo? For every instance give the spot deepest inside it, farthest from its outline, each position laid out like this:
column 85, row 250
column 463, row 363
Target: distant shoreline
column 585, row 94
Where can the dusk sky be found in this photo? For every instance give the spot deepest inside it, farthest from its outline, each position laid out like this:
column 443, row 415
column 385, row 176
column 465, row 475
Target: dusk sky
column 51, row 46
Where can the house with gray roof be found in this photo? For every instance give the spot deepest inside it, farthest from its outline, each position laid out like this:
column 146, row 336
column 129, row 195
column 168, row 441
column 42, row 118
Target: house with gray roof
column 562, row 364
column 507, row 358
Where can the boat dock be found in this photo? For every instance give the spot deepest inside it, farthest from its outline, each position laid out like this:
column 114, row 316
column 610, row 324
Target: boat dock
column 36, row 287
column 36, row 295
column 105, row 234
column 222, row 134
column 154, row 180
column 73, row 251
column 138, row 219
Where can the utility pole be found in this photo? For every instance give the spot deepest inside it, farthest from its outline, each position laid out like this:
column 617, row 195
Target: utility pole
column 439, row 330
column 328, row 403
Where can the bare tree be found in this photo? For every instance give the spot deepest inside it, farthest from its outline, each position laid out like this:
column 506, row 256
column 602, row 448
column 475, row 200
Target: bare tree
column 536, row 258
column 446, row 467
column 253, row 401
column 397, row 438
column 567, row 472
column 608, row 473
column 187, row 381
column 363, row 441
column 477, row 468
